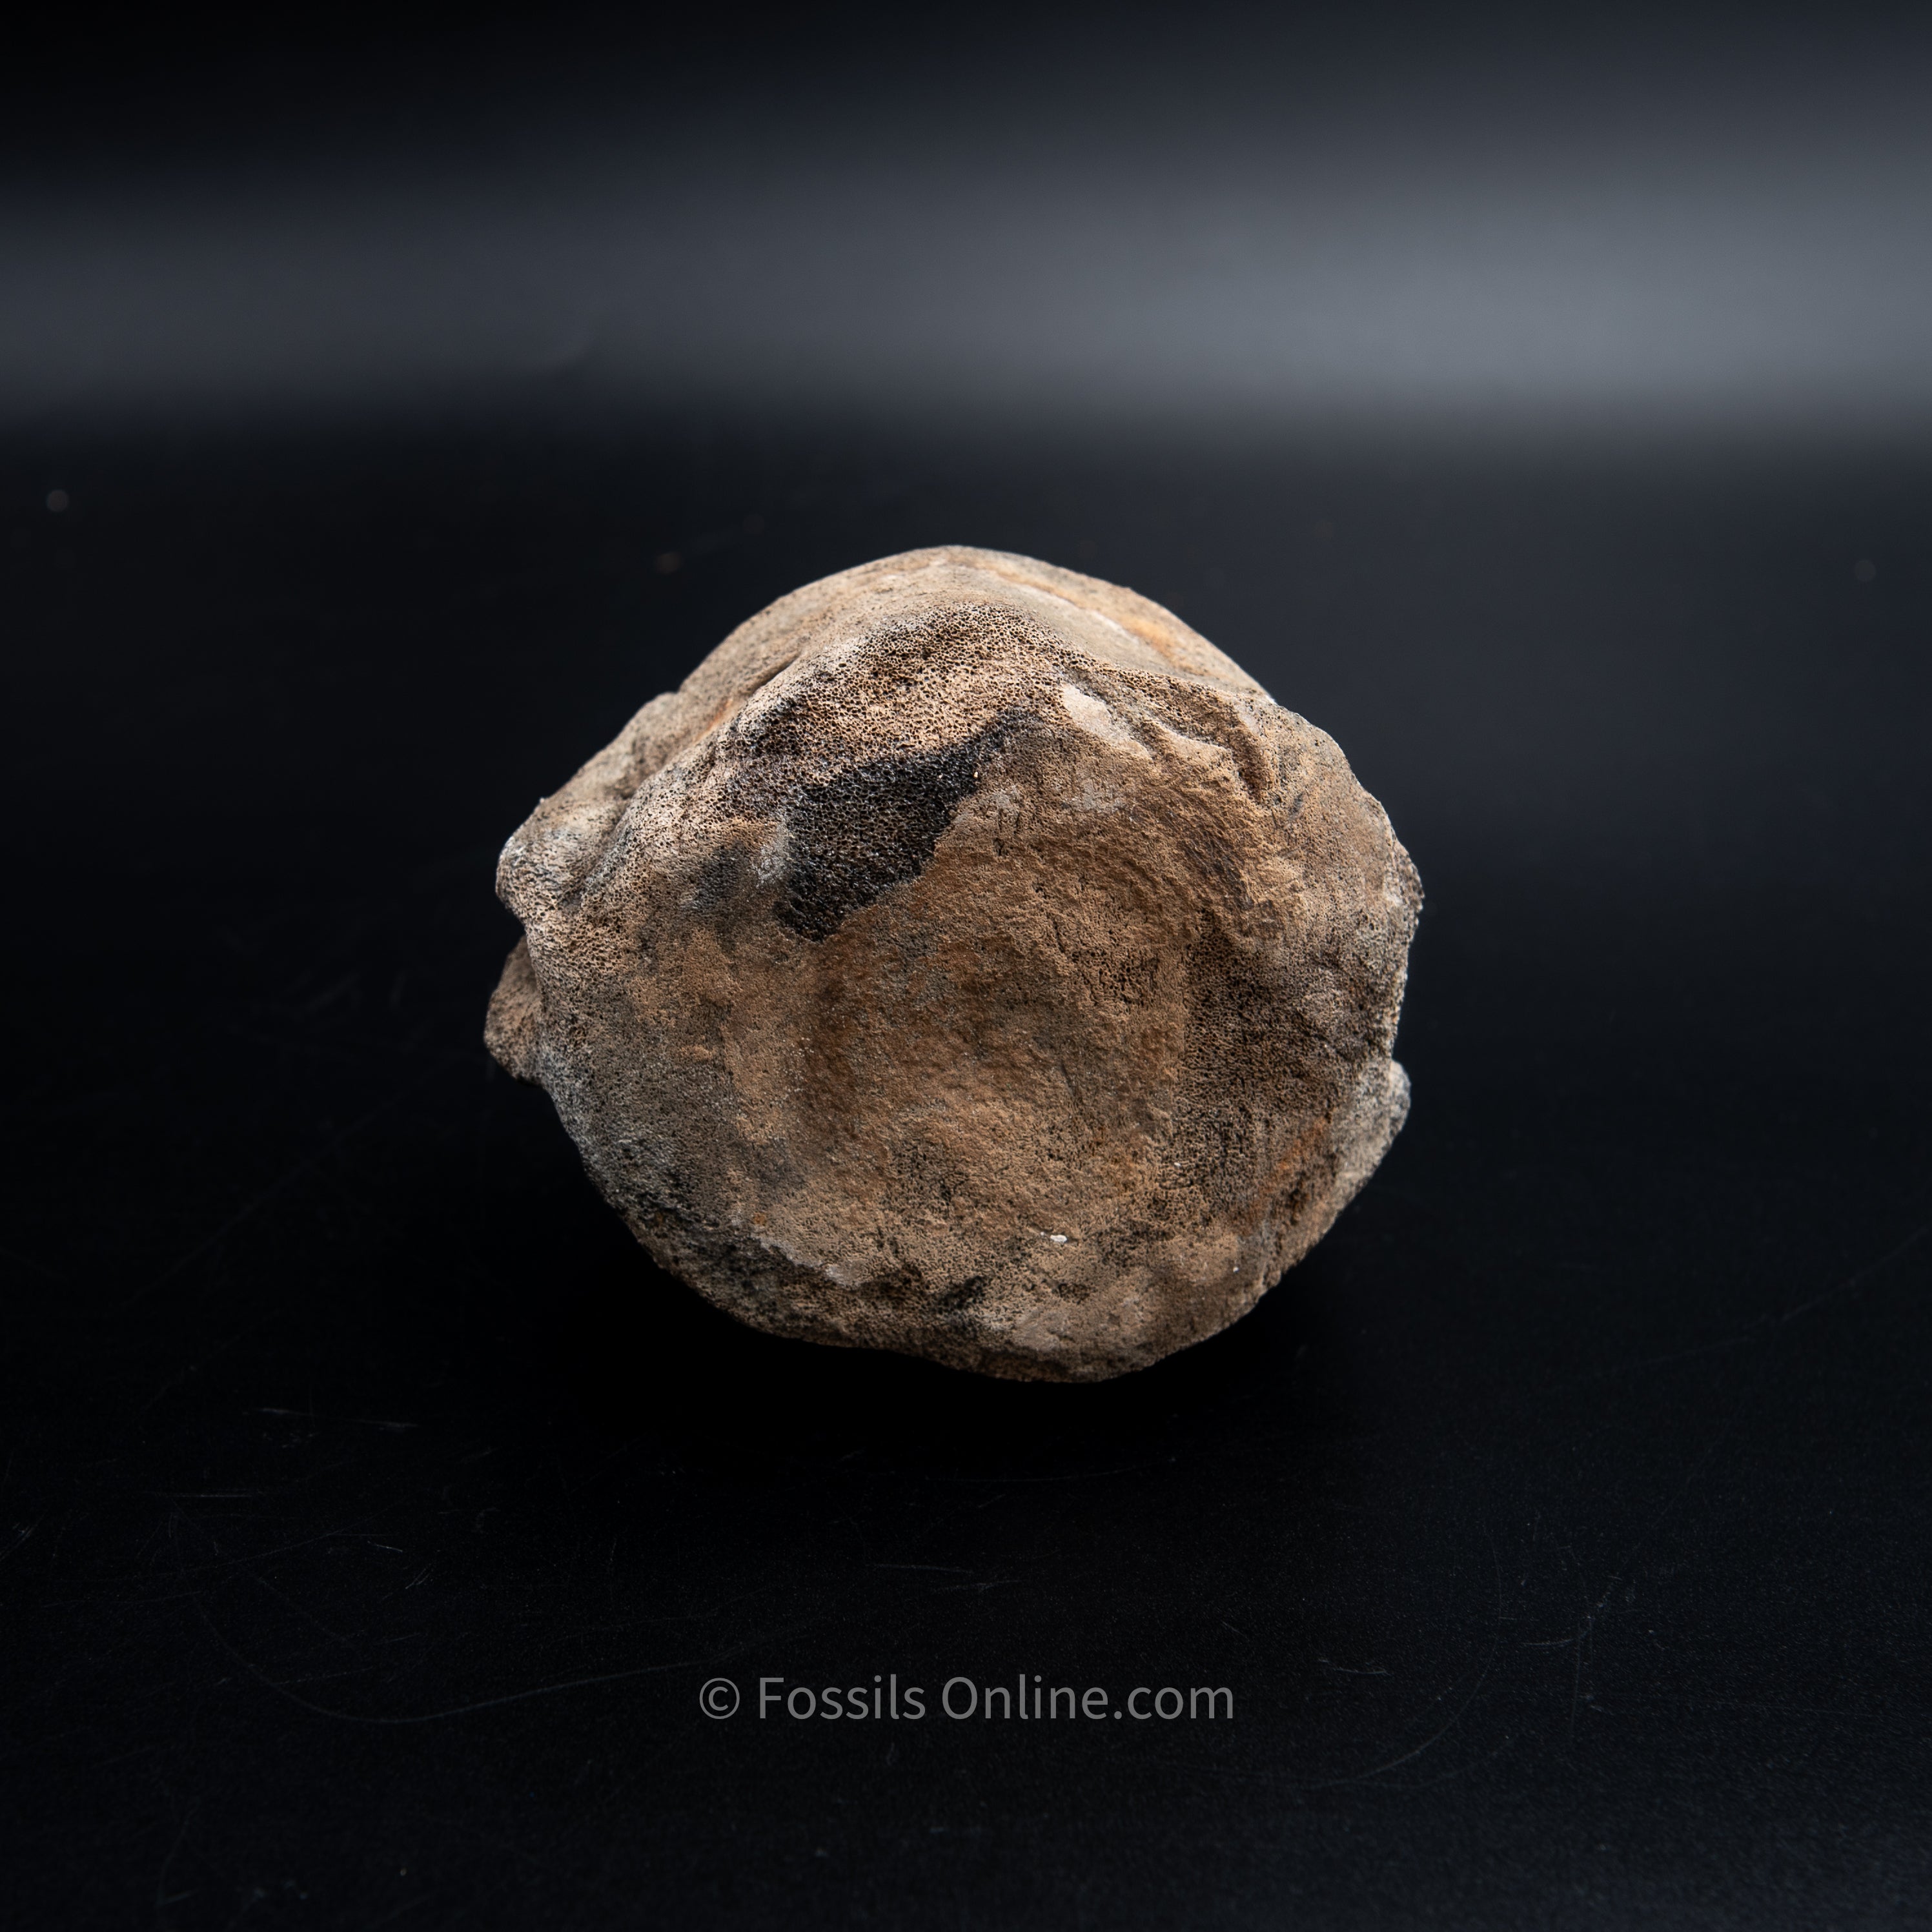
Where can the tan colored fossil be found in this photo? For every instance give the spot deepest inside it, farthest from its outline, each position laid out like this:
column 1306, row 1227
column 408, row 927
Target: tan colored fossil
column 968, row 959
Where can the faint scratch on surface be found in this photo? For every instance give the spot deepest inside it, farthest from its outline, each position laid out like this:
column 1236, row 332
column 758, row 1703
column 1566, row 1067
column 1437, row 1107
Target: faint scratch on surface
column 1462, row 1710
column 162, row 1900
column 1859, row 1277
column 21, row 1531
column 760, row 1640
column 261, row 1198
column 1586, row 1625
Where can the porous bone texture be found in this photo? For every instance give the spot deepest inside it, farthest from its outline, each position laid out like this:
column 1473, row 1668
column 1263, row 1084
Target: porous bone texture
column 968, row 959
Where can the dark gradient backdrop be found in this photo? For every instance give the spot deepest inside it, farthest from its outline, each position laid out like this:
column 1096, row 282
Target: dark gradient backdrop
column 1262, row 215
column 1541, row 404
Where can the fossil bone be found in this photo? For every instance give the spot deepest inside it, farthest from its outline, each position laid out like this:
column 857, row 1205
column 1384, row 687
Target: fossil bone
column 971, row 960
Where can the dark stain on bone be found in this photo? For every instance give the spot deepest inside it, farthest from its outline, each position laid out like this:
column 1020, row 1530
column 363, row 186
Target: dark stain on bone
column 853, row 837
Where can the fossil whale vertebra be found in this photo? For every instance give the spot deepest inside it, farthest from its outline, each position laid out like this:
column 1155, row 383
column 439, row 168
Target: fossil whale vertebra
column 968, row 959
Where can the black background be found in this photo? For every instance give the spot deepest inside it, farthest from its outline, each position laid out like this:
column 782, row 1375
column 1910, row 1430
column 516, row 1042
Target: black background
column 372, row 1512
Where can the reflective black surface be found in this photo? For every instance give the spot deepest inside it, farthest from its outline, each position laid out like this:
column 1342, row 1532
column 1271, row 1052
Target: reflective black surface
column 373, row 1513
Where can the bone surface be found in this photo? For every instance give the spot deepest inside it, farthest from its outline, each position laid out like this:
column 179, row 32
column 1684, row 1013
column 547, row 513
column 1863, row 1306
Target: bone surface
column 968, row 959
